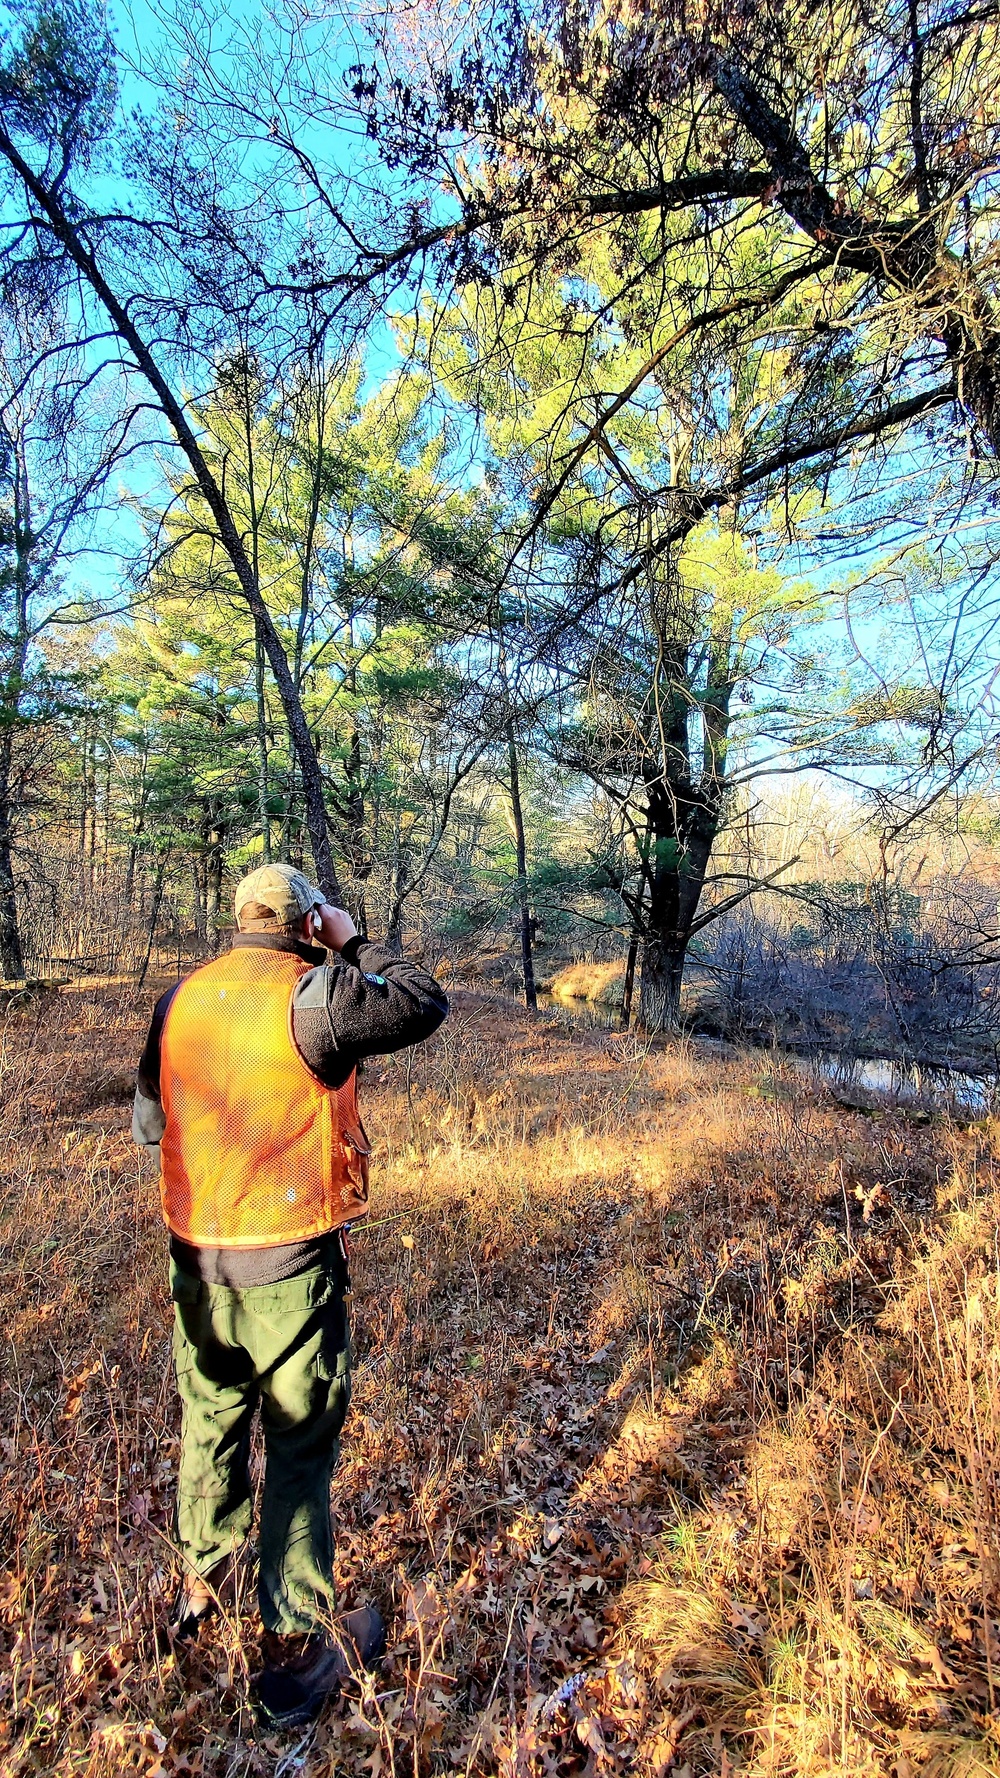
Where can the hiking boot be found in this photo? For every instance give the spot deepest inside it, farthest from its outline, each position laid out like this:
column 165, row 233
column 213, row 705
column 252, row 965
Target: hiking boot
column 199, row 1597
column 301, row 1672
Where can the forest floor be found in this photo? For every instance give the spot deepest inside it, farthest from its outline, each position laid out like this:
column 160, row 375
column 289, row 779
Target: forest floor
column 675, row 1439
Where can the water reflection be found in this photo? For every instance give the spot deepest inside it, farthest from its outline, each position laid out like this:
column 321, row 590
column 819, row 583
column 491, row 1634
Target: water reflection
column 905, row 1081
column 881, row 1076
column 593, row 1013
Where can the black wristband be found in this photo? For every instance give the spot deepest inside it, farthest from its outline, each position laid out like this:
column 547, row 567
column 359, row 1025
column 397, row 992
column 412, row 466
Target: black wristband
column 349, row 952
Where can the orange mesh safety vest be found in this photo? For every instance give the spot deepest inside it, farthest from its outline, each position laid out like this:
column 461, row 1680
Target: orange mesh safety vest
column 256, row 1151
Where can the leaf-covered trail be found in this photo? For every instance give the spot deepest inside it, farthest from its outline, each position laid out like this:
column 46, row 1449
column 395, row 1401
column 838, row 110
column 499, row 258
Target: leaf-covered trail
column 616, row 1408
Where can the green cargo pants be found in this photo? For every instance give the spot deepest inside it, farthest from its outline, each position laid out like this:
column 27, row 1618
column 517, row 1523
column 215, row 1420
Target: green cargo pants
column 285, row 1347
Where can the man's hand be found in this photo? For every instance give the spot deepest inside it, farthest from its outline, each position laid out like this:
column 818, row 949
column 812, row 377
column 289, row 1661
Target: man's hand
column 336, row 927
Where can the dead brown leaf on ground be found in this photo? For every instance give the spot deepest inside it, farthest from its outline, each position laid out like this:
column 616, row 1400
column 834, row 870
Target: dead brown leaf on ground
column 674, row 1442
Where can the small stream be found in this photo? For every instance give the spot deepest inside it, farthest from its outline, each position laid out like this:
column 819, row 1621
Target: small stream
column 595, row 1014
column 908, row 1083
column 879, row 1077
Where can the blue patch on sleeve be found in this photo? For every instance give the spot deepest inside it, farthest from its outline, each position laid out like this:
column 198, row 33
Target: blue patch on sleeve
column 377, row 981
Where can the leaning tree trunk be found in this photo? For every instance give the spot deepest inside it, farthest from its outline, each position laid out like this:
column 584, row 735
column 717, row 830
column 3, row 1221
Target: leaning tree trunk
column 64, row 230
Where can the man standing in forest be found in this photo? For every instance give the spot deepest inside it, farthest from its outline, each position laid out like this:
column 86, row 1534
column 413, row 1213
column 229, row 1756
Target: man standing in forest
column 246, row 1094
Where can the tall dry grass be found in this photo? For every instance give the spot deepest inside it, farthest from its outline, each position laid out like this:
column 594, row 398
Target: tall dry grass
column 600, row 983
column 673, row 1444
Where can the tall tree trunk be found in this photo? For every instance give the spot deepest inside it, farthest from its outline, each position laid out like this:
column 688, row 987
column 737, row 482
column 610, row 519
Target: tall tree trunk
column 631, row 960
column 139, row 824
column 400, row 889
column 662, row 974
column 354, row 816
column 285, row 848
column 671, row 800
column 664, row 944
column 262, row 784
column 213, row 837
column 11, row 948
column 676, row 881
column 154, row 914
column 213, row 891
column 521, row 887
column 11, row 954
column 635, row 936
column 106, row 836
column 685, row 791
column 198, row 885
column 92, row 798
column 84, row 747
column 259, row 674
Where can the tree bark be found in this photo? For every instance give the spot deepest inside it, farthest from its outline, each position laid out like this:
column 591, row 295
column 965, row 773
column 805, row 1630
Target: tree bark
column 11, row 952
column 198, row 885
column 684, row 807
column 662, row 976
column 665, row 943
column 154, row 914
column 258, row 644
column 635, row 936
column 352, row 805
column 213, row 887
column 137, row 831
column 521, row 886
column 681, row 855
column 262, row 784
column 11, row 948
column 629, row 988
column 400, row 890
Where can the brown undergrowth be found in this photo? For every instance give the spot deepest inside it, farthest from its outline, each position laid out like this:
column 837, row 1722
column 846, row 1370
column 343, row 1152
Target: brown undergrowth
column 674, row 1440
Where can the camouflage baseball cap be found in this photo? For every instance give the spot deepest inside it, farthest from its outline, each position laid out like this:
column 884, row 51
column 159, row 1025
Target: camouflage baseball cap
column 282, row 888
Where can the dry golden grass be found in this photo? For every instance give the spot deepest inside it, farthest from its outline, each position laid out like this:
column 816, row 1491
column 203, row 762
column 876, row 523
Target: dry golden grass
column 674, row 1440
column 597, row 982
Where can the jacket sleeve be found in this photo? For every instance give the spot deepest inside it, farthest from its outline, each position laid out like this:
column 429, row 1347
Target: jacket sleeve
column 148, row 1121
column 368, row 1003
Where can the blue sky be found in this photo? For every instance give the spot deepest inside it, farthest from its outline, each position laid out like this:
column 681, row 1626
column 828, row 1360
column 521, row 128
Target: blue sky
column 138, row 33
